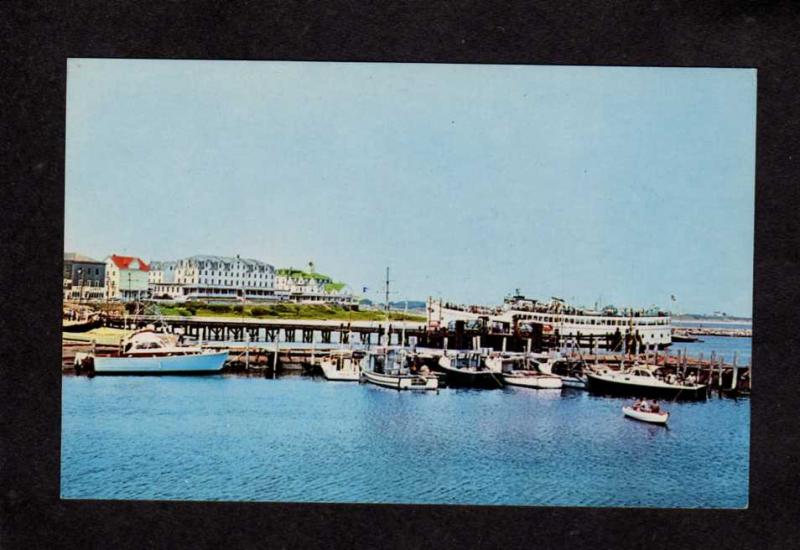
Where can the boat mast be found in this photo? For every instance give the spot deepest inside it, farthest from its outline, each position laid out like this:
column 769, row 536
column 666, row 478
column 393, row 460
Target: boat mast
column 386, row 307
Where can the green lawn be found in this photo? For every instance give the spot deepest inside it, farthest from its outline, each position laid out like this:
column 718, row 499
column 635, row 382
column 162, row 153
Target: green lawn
column 283, row 311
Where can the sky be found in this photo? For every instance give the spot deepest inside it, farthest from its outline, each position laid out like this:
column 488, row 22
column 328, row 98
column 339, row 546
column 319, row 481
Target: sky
column 604, row 185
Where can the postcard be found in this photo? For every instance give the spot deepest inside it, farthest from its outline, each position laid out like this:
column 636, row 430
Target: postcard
column 408, row 283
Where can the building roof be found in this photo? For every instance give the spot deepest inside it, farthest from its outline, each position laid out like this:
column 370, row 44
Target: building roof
column 229, row 260
column 76, row 257
column 123, row 262
column 300, row 274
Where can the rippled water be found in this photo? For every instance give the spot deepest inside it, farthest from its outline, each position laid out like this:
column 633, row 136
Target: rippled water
column 304, row 439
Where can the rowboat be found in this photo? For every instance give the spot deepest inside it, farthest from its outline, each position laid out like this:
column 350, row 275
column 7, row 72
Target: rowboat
column 646, row 416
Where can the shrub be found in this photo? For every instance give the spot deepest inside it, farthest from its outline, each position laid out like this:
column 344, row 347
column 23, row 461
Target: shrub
column 258, row 311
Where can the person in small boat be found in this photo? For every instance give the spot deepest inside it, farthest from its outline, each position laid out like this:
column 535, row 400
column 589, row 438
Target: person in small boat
column 654, row 407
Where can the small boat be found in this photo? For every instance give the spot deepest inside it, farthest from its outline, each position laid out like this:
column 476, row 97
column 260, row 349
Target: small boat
column 150, row 352
column 532, row 379
column 467, row 369
column 637, row 413
column 388, row 367
column 641, row 380
column 342, row 365
column 517, row 370
column 571, row 376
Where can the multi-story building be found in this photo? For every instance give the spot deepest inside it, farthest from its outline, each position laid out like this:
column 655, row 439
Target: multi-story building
column 214, row 278
column 126, row 277
column 84, row 277
column 161, row 280
column 311, row 287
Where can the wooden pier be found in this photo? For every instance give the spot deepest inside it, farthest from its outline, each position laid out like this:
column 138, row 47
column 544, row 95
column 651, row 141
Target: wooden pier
column 270, row 345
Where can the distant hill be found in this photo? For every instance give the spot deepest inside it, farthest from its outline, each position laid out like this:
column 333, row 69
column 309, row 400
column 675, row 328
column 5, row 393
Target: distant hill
column 706, row 317
column 413, row 305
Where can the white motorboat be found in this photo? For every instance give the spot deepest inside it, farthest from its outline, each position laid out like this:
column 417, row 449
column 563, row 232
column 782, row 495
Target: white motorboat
column 558, row 366
column 642, row 415
column 519, row 370
column 641, row 380
column 342, row 365
column 151, row 352
column 532, row 379
column 387, row 367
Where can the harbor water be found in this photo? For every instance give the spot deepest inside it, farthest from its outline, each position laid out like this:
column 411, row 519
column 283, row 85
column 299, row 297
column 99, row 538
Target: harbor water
column 302, row 439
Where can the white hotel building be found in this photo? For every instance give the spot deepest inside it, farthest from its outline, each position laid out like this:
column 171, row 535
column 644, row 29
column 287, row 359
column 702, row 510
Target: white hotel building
column 212, row 277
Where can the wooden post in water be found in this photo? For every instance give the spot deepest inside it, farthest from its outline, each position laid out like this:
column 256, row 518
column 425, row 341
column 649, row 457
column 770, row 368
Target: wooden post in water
column 246, row 350
column 275, row 360
column 735, row 371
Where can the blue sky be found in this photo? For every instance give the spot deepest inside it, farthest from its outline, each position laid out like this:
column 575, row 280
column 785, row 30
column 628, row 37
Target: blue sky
column 623, row 185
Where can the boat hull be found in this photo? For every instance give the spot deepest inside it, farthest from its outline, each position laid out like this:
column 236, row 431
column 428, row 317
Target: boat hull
column 534, row 382
column 472, row 379
column 573, row 382
column 599, row 385
column 203, row 363
column 649, row 417
column 401, row 382
column 344, row 375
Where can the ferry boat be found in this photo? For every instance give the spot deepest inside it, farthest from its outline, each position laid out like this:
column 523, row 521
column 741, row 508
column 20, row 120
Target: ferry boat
column 342, row 365
column 642, row 380
column 467, row 369
column 388, row 367
column 608, row 327
column 150, row 352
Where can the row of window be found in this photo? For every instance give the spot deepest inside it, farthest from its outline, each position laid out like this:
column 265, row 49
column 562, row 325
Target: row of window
column 621, row 322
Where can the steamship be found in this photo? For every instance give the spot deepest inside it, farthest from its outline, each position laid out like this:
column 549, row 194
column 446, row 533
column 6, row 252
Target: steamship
column 609, row 327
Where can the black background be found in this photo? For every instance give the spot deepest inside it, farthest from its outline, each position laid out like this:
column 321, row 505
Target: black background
column 38, row 37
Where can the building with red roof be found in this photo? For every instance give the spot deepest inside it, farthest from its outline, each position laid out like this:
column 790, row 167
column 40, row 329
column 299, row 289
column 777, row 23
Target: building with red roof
column 126, row 277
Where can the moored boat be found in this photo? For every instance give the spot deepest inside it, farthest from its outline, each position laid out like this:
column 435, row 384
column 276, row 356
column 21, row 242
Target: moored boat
column 342, row 365
column 570, row 375
column 641, row 380
column 153, row 353
column 519, row 370
column 532, row 379
column 467, row 369
column 388, row 367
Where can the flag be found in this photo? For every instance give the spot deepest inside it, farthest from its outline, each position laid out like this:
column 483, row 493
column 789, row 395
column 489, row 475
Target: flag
column 364, row 290
column 673, row 297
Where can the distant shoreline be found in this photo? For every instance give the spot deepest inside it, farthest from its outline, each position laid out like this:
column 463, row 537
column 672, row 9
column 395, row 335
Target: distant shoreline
column 713, row 320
